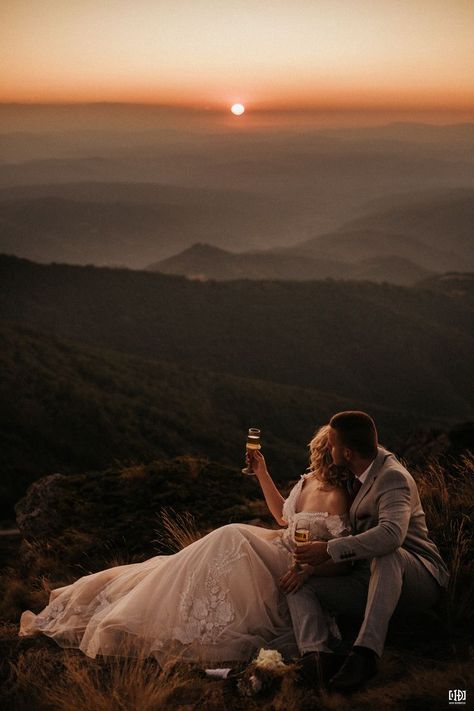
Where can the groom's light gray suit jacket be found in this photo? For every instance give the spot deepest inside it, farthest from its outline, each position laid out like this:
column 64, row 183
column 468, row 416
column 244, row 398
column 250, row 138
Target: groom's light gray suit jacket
column 387, row 514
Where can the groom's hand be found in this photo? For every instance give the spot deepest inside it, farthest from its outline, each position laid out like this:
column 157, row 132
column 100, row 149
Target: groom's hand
column 313, row 553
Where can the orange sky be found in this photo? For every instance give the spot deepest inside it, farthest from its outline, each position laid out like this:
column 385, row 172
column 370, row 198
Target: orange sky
column 338, row 54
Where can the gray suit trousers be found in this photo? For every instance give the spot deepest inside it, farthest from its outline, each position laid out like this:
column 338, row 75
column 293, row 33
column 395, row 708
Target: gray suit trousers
column 396, row 580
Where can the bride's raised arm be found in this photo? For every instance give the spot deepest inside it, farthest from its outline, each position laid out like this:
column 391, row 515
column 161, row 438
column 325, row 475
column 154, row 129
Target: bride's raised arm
column 272, row 496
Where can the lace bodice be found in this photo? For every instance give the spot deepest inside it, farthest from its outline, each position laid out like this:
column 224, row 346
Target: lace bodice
column 322, row 525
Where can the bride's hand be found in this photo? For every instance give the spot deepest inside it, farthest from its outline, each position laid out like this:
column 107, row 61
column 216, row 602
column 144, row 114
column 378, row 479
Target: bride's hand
column 294, row 579
column 256, row 461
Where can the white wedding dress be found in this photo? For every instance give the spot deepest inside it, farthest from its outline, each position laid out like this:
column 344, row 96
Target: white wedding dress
column 217, row 600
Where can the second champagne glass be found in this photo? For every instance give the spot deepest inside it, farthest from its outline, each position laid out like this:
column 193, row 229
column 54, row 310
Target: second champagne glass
column 302, row 534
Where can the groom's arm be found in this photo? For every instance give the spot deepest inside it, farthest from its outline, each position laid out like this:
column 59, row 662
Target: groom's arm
column 329, row 569
column 394, row 511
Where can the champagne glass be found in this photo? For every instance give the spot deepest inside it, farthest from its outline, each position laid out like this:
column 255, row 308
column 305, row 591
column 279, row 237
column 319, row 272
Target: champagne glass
column 301, row 535
column 253, row 442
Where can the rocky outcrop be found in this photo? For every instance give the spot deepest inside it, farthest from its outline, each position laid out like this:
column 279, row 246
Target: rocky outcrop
column 92, row 518
column 37, row 514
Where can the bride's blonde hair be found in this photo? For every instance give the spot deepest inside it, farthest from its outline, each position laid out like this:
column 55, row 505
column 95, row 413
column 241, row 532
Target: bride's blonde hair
column 321, row 464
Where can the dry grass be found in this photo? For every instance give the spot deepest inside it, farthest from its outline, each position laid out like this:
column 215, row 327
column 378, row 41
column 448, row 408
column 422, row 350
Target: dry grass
column 176, row 531
column 120, row 685
column 447, row 495
column 67, row 681
column 18, row 594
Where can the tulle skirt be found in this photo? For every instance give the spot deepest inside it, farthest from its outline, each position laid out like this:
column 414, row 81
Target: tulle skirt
column 217, row 600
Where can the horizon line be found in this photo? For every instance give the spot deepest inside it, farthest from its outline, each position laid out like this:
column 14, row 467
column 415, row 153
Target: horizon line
column 254, row 108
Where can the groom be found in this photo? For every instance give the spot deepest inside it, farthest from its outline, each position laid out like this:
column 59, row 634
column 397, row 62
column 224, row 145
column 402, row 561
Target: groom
column 394, row 562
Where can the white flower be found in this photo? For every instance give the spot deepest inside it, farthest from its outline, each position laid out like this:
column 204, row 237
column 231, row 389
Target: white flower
column 270, row 659
column 255, row 684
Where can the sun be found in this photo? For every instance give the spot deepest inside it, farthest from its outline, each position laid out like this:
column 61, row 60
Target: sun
column 237, row 109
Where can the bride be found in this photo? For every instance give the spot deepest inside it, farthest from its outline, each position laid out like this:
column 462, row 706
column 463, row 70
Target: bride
column 222, row 597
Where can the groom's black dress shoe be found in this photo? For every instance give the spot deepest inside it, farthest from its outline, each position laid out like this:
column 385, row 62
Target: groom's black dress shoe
column 354, row 673
column 316, row 668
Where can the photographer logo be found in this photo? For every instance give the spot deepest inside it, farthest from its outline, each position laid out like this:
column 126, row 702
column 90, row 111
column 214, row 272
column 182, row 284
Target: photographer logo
column 457, row 697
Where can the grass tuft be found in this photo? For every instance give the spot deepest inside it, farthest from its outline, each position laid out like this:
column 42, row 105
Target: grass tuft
column 176, row 531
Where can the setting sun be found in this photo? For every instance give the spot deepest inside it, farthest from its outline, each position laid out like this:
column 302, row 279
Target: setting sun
column 237, row 109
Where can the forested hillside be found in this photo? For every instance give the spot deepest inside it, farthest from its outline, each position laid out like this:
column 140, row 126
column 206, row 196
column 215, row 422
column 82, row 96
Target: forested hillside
column 405, row 349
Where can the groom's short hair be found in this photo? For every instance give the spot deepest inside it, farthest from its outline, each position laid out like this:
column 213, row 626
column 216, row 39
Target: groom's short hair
column 357, row 431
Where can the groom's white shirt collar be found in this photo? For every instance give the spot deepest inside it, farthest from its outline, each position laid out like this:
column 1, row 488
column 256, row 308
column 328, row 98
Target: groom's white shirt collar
column 362, row 477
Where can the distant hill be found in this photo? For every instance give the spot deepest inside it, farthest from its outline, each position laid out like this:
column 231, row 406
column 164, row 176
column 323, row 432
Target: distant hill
column 406, row 348
column 458, row 136
column 401, row 244
column 131, row 224
column 435, row 233
column 204, row 261
column 416, row 197
column 353, row 245
column 72, row 408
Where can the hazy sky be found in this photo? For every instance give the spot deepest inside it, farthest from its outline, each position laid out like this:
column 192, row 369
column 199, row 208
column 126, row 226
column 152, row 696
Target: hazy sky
column 263, row 53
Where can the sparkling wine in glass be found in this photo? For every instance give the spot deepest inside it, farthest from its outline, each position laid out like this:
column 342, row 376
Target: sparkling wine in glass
column 302, row 534
column 253, row 442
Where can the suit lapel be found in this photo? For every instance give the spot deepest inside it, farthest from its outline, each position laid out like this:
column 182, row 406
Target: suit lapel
column 377, row 465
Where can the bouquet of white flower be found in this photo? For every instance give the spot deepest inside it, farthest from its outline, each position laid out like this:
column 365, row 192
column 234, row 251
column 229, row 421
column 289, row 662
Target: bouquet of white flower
column 270, row 659
column 263, row 673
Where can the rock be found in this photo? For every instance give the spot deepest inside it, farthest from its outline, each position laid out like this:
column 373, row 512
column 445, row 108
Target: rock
column 91, row 519
column 36, row 514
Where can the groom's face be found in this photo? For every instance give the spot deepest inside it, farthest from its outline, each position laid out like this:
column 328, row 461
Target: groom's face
column 341, row 455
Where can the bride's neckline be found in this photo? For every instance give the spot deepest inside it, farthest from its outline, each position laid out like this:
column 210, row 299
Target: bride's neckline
column 310, row 513
column 326, row 514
